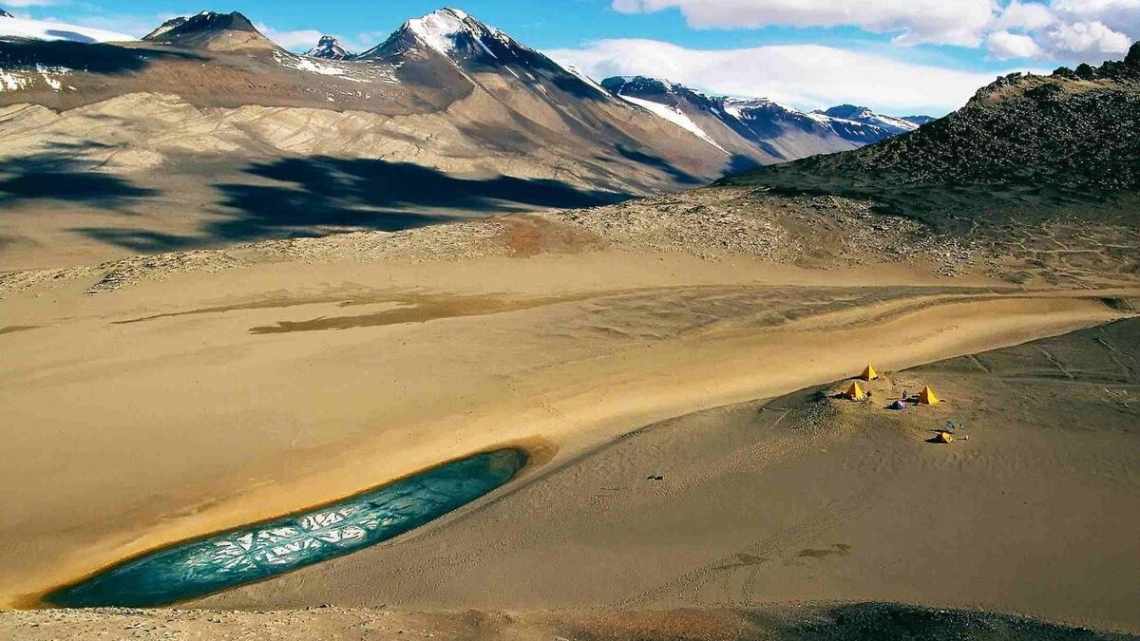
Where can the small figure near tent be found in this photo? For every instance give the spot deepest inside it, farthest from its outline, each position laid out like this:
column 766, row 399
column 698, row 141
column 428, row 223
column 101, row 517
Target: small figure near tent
column 949, row 433
column 869, row 374
column 855, row 392
column 928, row 397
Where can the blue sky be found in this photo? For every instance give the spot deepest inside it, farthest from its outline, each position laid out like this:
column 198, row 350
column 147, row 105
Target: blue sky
column 920, row 55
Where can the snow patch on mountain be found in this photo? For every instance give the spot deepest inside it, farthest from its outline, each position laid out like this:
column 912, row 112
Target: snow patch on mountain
column 350, row 71
column 11, row 80
column 438, row 29
column 17, row 79
column 51, row 30
column 674, row 116
column 863, row 115
column 736, row 107
column 315, row 67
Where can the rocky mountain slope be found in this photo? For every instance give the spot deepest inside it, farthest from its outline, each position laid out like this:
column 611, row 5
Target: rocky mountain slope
column 206, row 106
column 1024, row 148
column 756, row 128
column 490, row 90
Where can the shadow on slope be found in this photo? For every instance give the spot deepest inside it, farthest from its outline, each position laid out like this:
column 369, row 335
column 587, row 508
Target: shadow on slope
column 739, row 164
column 309, row 196
column 82, row 56
column 143, row 241
column 656, row 162
column 54, row 176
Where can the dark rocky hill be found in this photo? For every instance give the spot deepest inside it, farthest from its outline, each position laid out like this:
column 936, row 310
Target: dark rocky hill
column 211, row 31
column 1025, row 145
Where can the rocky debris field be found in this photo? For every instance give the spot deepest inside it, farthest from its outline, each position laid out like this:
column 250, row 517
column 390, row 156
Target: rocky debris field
column 818, row 232
column 811, row 231
column 853, row 622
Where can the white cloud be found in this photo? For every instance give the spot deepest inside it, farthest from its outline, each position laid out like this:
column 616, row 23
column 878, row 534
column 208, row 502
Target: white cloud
column 1005, row 45
column 1057, row 29
column 295, row 39
column 805, row 76
column 135, row 25
column 53, row 30
column 1119, row 15
column 305, row 39
column 960, row 22
column 1030, row 16
column 1089, row 38
column 1065, row 29
column 29, row 3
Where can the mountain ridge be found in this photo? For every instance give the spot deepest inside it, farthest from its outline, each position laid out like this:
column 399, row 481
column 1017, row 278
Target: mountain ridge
column 444, row 90
column 760, row 128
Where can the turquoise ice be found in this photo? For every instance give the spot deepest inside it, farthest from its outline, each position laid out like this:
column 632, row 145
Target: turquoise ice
column 199, row 567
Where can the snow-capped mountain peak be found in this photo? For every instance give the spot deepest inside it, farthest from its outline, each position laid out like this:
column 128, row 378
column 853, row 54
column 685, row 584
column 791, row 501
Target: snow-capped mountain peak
column 440, row 29
column 453, row 34
column 5, row 14
column 771, row 130
column 473, row 47
column 864, row 115
column 328, row 48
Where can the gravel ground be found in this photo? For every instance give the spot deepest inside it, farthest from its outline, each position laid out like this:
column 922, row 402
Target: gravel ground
column 820, row 232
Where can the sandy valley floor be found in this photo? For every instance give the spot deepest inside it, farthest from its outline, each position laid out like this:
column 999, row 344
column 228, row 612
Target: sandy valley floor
column 178, row 406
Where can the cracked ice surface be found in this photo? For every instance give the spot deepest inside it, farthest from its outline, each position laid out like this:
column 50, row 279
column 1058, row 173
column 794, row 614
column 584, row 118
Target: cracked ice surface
column 195, row 568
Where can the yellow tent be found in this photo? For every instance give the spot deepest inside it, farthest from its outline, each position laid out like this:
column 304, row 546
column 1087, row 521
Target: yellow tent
column 869, row 374
column 927, row 397
column 855, row 392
